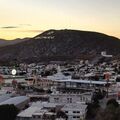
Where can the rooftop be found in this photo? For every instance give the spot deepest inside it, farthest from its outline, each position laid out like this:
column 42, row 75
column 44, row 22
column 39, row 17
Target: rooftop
column 28, row 112
column 15, row 100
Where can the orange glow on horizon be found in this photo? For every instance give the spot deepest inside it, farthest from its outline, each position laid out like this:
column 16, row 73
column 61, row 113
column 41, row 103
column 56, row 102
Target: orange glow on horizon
column 28, row 18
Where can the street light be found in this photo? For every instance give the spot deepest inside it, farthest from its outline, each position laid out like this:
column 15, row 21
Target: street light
column 14, row 73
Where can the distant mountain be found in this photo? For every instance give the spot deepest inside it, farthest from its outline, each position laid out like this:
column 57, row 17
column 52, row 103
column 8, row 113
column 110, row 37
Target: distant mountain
column 3, row 42
column 11, row 42
column 61, row 45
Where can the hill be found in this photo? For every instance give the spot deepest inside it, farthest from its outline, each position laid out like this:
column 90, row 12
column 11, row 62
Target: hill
column 11, row 42
column 61, row 45
column 3, row 42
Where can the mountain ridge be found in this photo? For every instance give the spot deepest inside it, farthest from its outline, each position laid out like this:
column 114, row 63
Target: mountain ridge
column 4, row 42
column 61, row 45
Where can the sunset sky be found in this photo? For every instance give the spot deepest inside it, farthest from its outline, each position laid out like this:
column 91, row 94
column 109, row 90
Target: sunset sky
column 27, row 18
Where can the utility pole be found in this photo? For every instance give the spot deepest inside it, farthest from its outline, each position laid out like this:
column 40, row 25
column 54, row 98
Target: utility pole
column 107, row 76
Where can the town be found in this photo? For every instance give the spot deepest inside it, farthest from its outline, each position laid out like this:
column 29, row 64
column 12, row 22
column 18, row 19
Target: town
column 59, row 90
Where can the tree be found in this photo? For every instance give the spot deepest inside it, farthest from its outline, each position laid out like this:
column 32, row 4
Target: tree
column 113, row 102
column 61, row 114
column 92, row 110
column 111, row 112
column 98, row 95
column 8, row 112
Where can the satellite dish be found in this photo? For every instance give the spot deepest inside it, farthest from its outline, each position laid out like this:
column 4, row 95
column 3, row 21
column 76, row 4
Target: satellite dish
column 14, row 71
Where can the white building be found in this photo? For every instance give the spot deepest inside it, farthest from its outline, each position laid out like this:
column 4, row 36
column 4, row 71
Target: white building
column 75, row 111
column 70, row 98
column 39, row 110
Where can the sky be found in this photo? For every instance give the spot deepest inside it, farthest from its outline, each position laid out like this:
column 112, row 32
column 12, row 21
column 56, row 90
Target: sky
column 28, row 18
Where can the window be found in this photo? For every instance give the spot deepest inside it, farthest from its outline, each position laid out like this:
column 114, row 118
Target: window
column 81, row 98
column 56, row 99
column 34, row 116
column 74, row 116
column 74, row 111
column 69, row 100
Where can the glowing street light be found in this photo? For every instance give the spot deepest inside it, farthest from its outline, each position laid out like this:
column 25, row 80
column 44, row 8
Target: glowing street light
column 14, row 82
column 14, row 72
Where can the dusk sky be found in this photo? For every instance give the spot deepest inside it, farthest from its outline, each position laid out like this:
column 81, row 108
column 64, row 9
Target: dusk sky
column 27, row 18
